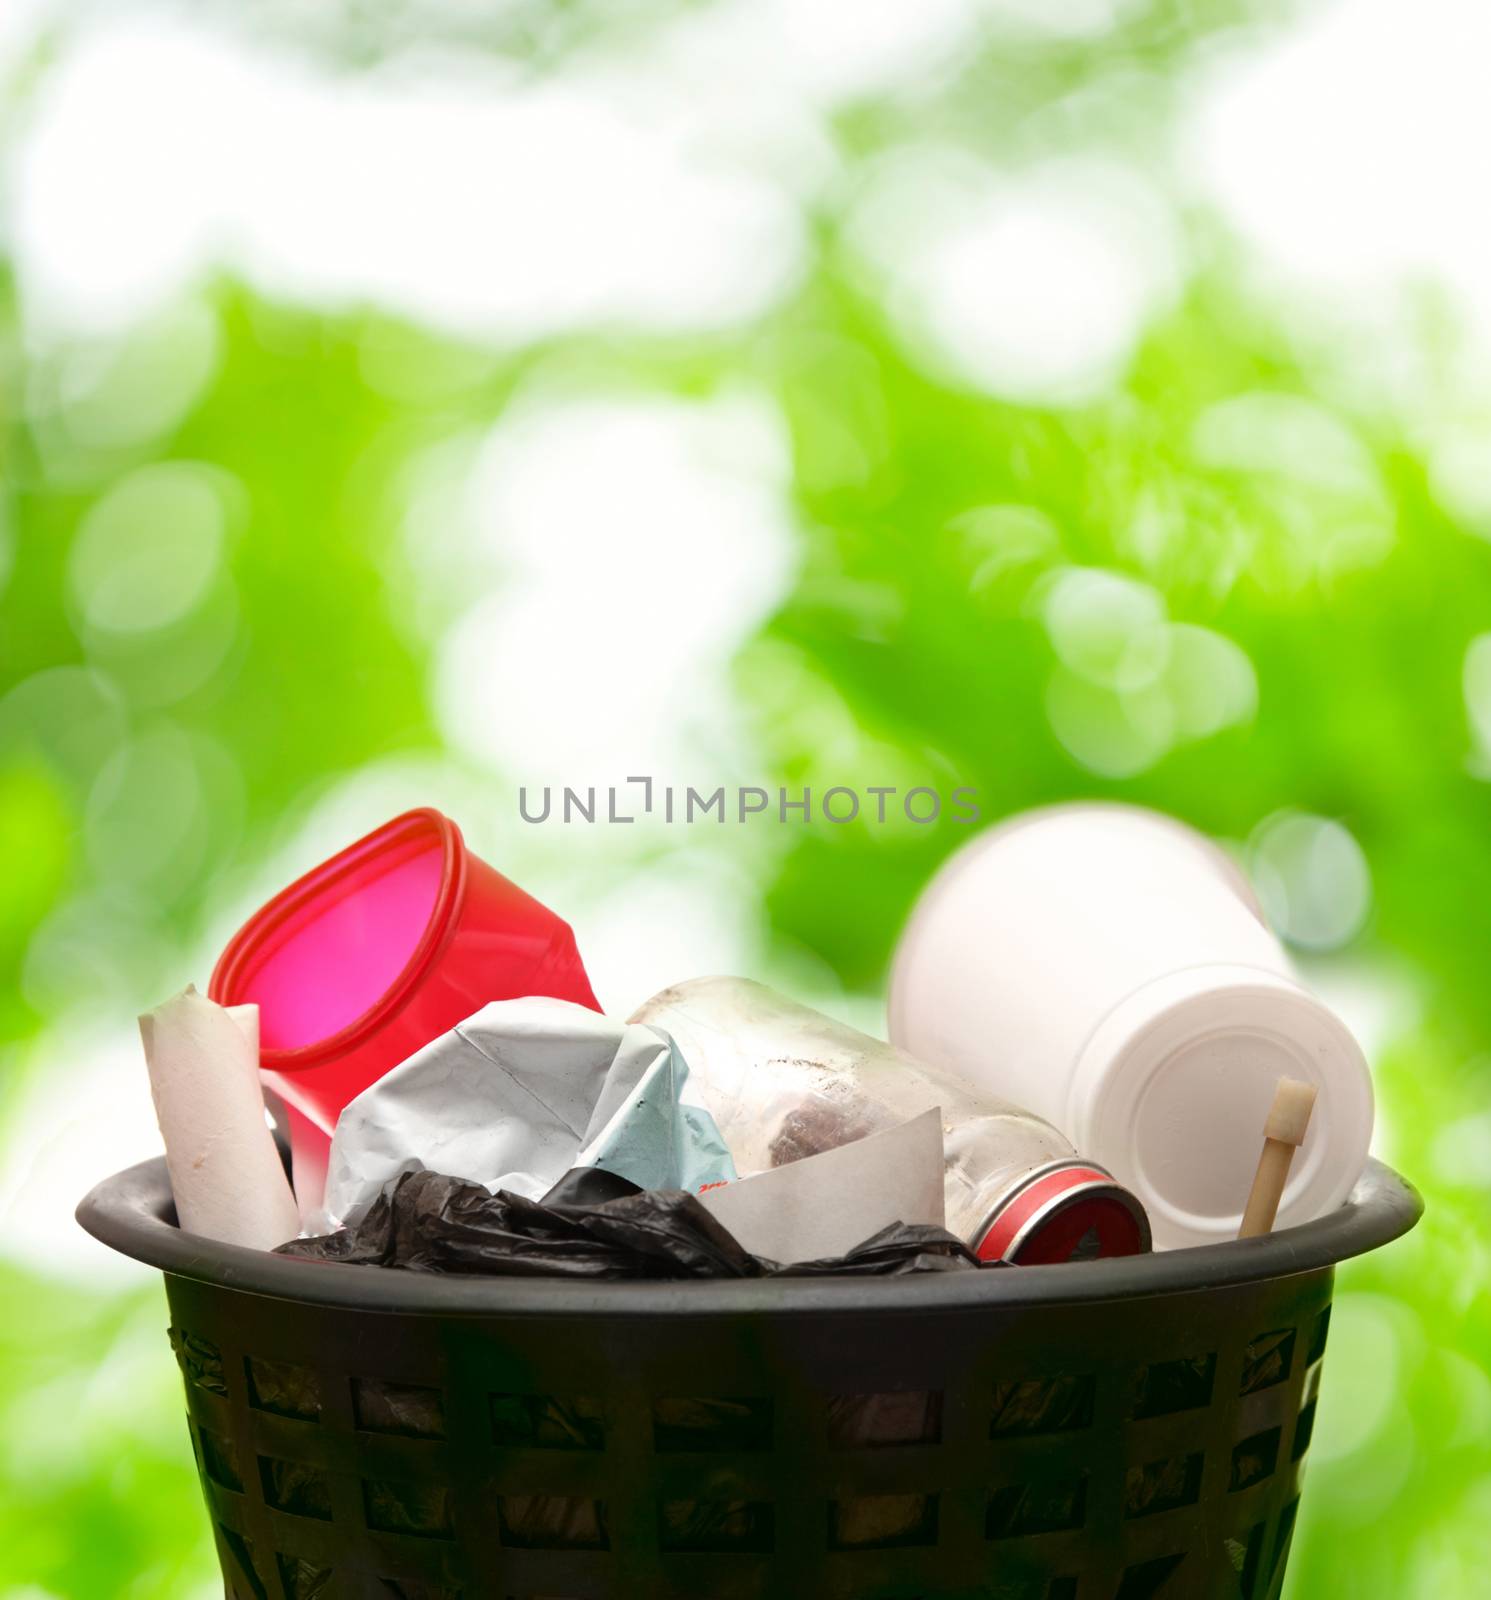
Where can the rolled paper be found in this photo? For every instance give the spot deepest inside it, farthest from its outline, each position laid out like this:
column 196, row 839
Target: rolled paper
column 225, row 1171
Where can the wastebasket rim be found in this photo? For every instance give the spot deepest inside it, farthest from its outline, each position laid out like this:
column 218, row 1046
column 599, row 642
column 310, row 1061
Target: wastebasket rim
column 132, row 1212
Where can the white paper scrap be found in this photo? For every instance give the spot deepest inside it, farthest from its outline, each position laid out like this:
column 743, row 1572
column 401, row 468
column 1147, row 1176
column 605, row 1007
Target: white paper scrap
column 826, row 1204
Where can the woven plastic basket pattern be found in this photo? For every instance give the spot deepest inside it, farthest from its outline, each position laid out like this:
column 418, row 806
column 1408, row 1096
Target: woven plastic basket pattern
column 1109, row 1451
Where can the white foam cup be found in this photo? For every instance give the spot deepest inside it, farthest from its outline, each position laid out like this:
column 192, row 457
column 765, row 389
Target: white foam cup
column 1111, row 970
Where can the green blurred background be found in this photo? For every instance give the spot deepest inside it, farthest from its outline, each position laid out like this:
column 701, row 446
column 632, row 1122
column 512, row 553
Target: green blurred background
column 406, row 404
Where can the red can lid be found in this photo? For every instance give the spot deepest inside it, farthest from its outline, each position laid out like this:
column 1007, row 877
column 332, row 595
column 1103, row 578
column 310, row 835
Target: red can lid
column 1073, row 1212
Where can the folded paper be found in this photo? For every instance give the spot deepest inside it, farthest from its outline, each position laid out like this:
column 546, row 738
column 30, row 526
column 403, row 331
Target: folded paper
column 226, row 1173
column 826, row 1204
column 515, row 1096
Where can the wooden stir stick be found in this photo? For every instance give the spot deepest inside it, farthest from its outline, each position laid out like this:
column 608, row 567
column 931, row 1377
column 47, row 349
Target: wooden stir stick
column 1283, row 1133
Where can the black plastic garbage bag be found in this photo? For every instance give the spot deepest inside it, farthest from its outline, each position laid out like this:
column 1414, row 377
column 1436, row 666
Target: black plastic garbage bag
column 584, row 1228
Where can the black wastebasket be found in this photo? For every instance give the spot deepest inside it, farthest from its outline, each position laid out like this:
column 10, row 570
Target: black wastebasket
column 1110, row 1430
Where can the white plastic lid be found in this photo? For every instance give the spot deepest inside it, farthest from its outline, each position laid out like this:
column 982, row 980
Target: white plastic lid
column 1173, row 1088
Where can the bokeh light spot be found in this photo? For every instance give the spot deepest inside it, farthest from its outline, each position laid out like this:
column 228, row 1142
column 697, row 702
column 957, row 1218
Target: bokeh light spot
column 1112, row 733
column 641, row 539
column 1210, row 681
column 147, row 552
column 1461, row 1152
column 1460, row 474
column 121, row 393
column 1033, row 286
column 1312, row 878
column 159, row 668
column 1287, row 435
column 140, row 828
column 429, row 191
column 1105, row 627
column 73, row 717
column 1475, row 679
column 1366, row 1357
column 990, row 541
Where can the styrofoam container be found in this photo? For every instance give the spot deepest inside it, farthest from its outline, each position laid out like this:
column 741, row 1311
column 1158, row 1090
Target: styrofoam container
column 1111, row 970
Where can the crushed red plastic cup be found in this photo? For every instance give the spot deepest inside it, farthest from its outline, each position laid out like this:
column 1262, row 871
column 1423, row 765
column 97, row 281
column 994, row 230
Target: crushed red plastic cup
column 376, row 952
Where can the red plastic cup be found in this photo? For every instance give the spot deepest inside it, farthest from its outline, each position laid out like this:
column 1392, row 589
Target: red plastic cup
column 374, row 953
